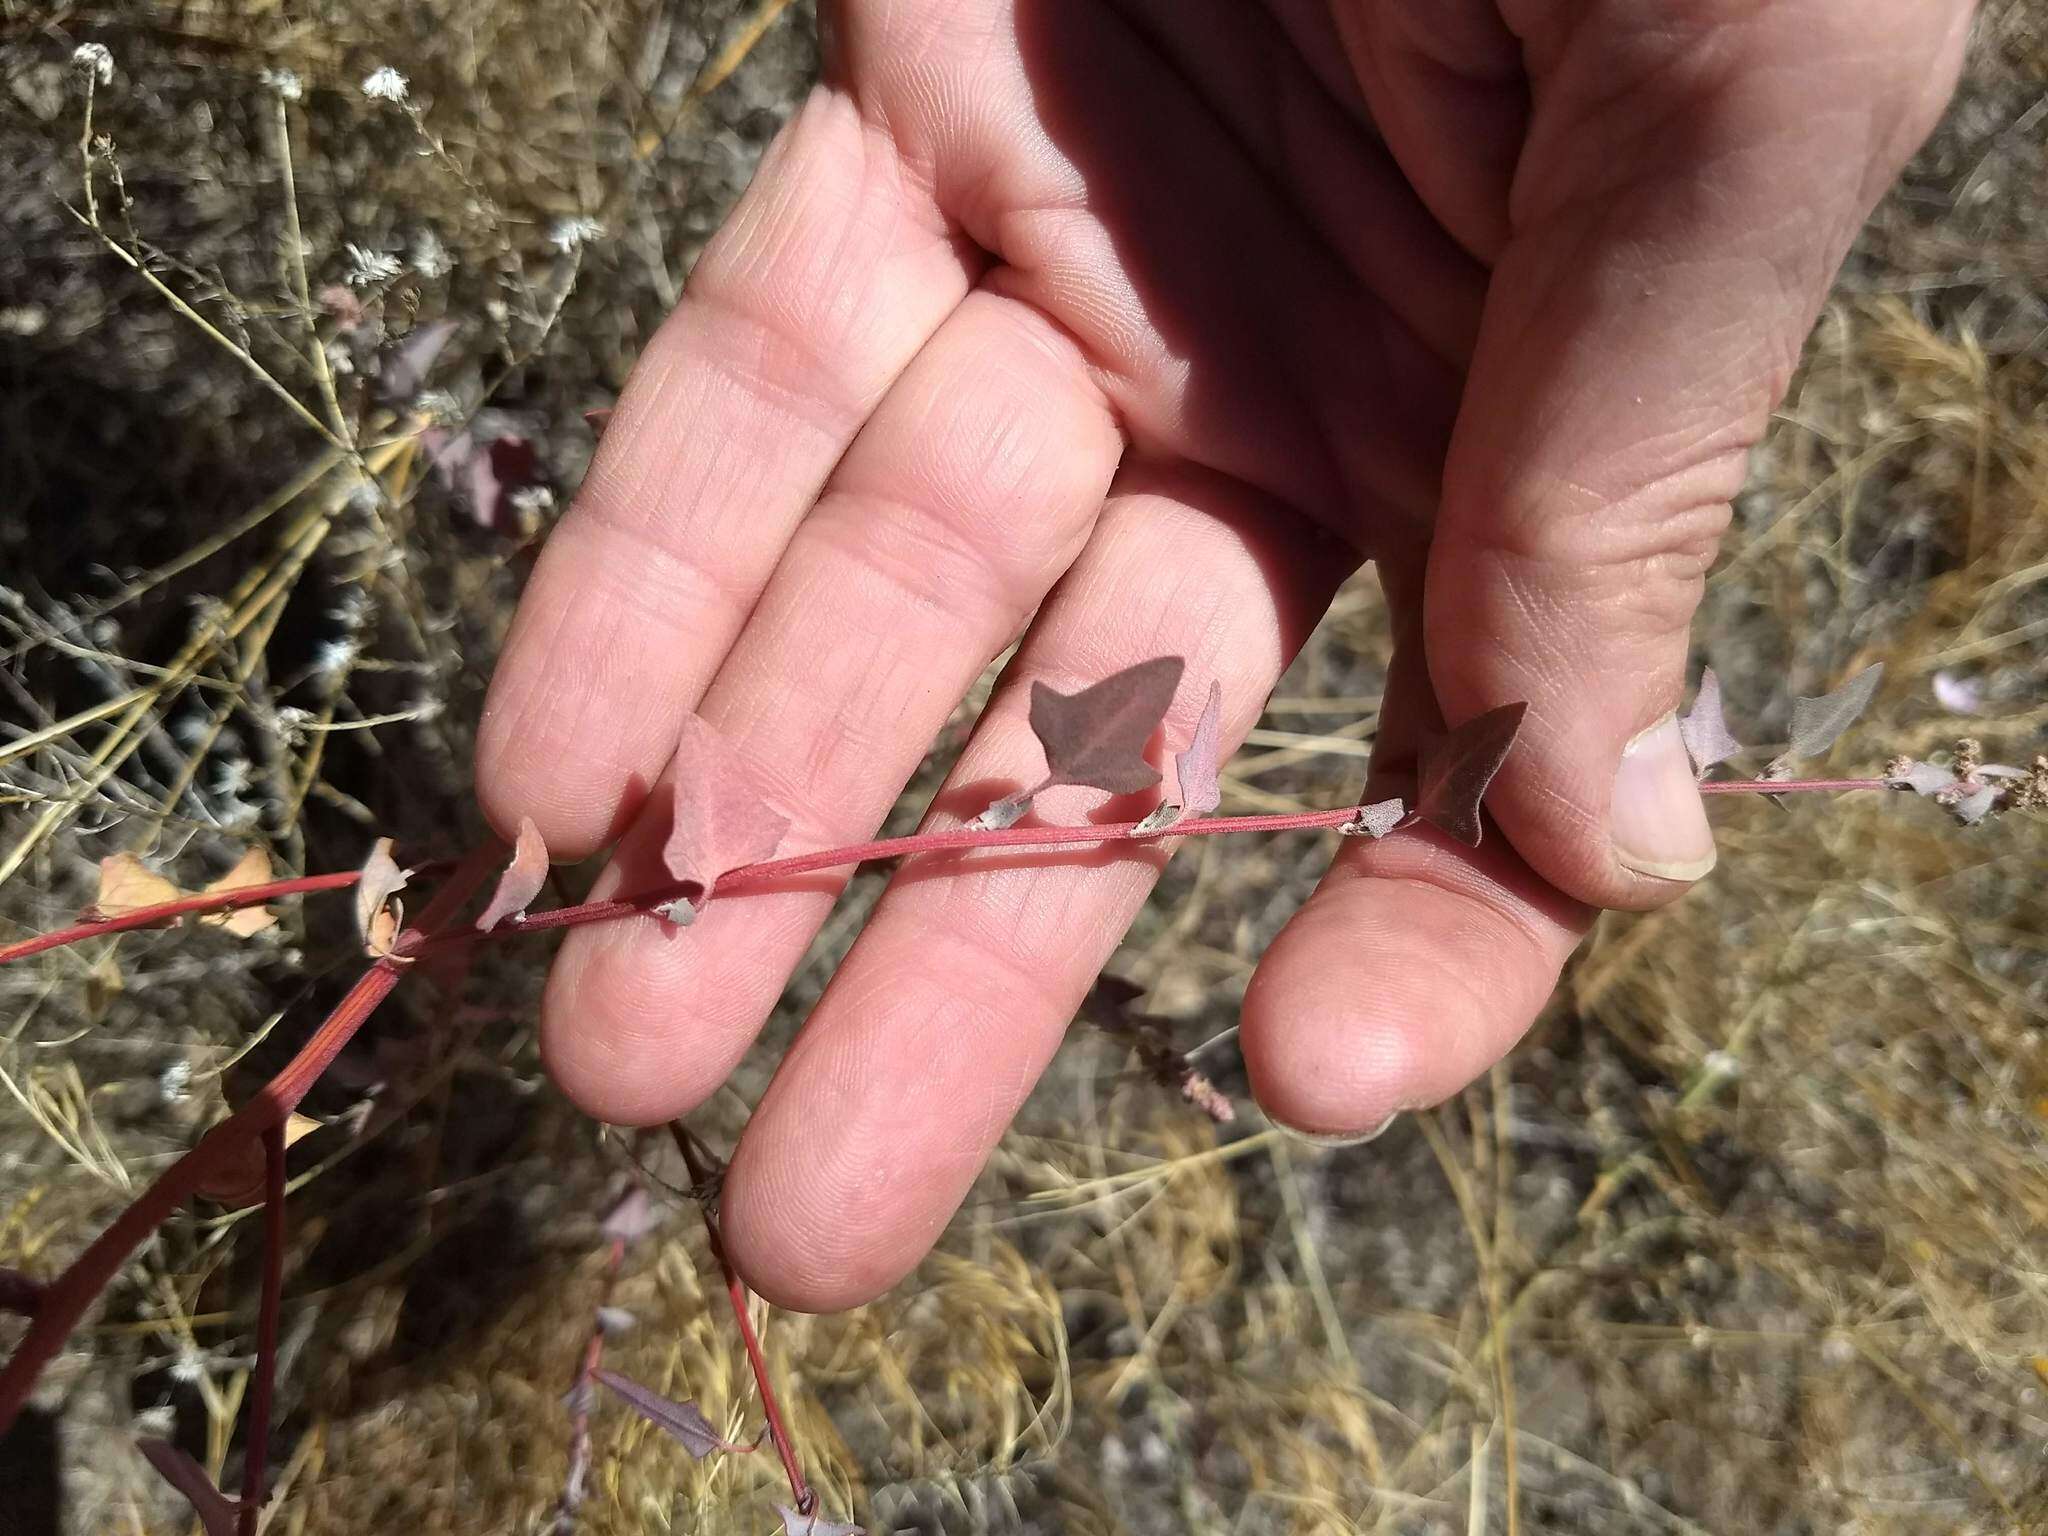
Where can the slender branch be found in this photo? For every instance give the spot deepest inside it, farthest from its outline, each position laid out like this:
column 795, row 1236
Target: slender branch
column 183, row 906
column 580, row 1392
column 1789, row 786
column 701, row 1176
column 263, row 1397
column 64, row 1300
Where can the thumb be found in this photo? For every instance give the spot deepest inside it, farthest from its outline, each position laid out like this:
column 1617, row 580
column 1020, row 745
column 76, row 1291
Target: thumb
column 1665, row 259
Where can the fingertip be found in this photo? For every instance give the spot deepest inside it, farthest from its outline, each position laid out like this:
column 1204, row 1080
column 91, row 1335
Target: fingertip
column 1407, row 973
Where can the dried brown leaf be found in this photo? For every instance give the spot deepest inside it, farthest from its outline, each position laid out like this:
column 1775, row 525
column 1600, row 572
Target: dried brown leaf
column 253, row 868
column 128, row 885
column 378, row 914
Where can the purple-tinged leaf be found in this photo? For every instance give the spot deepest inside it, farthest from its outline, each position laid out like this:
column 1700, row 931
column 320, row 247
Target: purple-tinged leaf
column 1201, row 791
column 1456, row 768
column 580, row 1398
column 1376, row 820
column 998, row 814
column 404, row 372
column 1818, row 723
column 794, row 1524
column 483, row 474
column 379, row 916
column 1212, row 1101
column 1161, row 818
column 632, row 1218
column 1704, row 729
column 522, row 879
column 684, row 1421
column 1097, row 737
column 720, row 820
column 216, row 1511
column 1958, row 695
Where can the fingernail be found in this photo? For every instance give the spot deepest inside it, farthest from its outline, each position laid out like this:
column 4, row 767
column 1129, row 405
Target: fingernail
column 1323, row 1140
column 1658, row 821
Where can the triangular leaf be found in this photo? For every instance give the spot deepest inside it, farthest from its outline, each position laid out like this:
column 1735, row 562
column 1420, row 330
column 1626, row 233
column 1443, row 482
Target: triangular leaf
column 1975, row 804
column 1704, row 729
column 1097, row 737
column 1196, row 768
column 1456, row 768
column 404, row 371
column 1921, row 778
column 522, row 879
column 253, row 868
column 216, row 1511
column 378, row 916
column 721, row 822
column 794, row 1524
column 684, row 1421
column 1375, row 821
column 633, row 1217
column 128, row 885
column 1819, row 722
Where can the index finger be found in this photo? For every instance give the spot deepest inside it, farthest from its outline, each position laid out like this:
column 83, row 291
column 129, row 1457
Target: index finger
column 830, row 275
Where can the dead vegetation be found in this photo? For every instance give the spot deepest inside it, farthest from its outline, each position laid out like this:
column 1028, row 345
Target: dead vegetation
column 1749, row 1235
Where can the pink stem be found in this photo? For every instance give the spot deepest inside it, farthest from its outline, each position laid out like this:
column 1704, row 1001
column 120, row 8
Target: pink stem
column 63, row 1301
column 264, row 1394
column 1789, row 786
column 201, row 901
column 736, row 1290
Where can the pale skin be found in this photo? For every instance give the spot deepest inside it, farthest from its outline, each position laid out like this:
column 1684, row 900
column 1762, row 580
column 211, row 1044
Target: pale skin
column 1132, row 328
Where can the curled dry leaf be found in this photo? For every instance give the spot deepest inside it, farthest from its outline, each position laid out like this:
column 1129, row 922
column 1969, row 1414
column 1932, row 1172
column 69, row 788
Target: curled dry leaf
column 1456, row 768
column 128, row 885
column 522, row 879
column 1160, row 818
column 378, row 914
column 216, row 1511
column 1201, row 790
column 1704, row 728
column 1097, row 737
column 253, row 868
column 1818, row 723
column 794, row 1524
column 1376, row 820
column 720, row 820
column 684, row 1421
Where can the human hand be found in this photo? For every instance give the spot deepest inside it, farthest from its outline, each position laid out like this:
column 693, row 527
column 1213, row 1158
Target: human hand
column 1139, row 324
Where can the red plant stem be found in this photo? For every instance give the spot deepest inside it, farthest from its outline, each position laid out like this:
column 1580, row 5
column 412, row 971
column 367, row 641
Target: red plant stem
column 265, row 1390
column 736, row 1290
column 64, row 1300
column 1789, row 786
column 199, row 901
column 579, row 1393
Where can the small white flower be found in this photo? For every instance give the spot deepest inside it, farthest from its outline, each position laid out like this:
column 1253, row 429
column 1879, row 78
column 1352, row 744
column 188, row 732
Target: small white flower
column 533, row 501
column 430, row 257
column 565, row 235
column 341, row 358
column 367, row 267
column 364, row 496
column 1722, row 1064
column 355, row 607
column 336, row 656
column 235, row 776
column 94, row 60
column 290, row 721
column 173, row 1080
column 438, row 405
column 385, row 84
column 285, row 82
